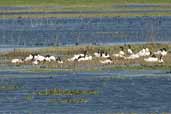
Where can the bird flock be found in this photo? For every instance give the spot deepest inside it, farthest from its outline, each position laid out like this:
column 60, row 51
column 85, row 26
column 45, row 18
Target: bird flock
column 105, row 57
column 37, row 58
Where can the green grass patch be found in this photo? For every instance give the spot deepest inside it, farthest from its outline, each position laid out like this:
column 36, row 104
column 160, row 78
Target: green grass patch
column 156, row 14
column 75, row 2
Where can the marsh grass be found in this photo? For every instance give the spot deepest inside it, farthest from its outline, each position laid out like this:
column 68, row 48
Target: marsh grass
column 75, row 2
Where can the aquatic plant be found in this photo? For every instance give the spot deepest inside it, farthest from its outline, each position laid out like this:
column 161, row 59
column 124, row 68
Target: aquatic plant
column 9, row 87
column 56, row 92
column 69, row 100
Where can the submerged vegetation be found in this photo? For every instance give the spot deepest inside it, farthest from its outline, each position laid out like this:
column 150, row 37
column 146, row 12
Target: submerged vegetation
column 69, row 100
column 9, row 87
column 56, row 92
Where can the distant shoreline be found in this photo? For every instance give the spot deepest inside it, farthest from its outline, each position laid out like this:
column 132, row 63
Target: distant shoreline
column 83, row 9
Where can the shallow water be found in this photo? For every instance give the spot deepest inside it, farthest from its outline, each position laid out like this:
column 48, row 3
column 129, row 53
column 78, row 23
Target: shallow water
column 118, row 91
column 68, row 31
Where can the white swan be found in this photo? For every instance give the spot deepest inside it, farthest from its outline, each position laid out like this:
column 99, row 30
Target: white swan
column 15, row 61
column 29, row 58
column 52, row 58
column 39, row 58
column 36, row 62
column 97, row 54
column 49, row 58
column 144, row 52
column 86, row 58
column 59, row 60
column 158, row 52
column 162, row 52
column 120, row 54
column 154, row 59
column 129, row 50
column 75, row 57
column 105, row 55
column 107, row 61
column 133, row 56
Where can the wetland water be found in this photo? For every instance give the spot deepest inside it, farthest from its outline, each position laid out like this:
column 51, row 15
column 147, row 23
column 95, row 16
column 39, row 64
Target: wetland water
column 69, row 31
column 117, row 91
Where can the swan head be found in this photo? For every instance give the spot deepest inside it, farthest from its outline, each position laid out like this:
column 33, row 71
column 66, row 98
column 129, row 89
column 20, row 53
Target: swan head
column 106, row 54
column 109, row 58
column 47, row 55
column 58, row 59
column 161, row 50
column 129, row 46
column 164, row 49
column 153, row 55
column 122, row 48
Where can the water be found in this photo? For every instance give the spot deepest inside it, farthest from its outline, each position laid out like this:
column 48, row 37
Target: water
column 118, row 91
column 68, row 31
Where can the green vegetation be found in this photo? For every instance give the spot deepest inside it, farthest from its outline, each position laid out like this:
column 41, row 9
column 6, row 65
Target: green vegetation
column 56, row 92
column 75, row 2
column 84, row 5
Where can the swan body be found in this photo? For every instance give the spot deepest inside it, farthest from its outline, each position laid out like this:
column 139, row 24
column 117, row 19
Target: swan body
column 133, row 56
column 39, row 58
column 15, row 61
column 141, row 53
column 97, row 54
column 130, row 52
column 154, row 59
column 76, row 57
column 104, row 55
column 120, row 54
column 162, row 52
column 47, row 59
column 29, row 58
column 158, row 52
column 52, row 58
column 36, row 62
column 86, row 58
column 60, row 62
column 144, row 52
column 107, row 61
